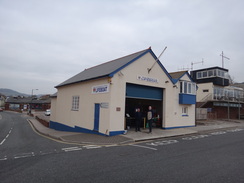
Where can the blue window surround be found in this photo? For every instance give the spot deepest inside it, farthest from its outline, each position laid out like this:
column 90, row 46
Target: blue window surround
column 187, row 98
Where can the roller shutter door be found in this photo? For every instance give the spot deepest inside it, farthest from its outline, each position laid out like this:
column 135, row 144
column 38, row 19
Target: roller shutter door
column 143, row 92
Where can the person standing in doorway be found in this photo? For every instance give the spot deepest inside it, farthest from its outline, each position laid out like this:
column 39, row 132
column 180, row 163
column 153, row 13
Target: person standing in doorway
column 149, row 118
column 138, row 119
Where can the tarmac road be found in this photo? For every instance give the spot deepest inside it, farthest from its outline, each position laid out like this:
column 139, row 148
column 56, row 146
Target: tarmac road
column 18, row 139
column 208, row 157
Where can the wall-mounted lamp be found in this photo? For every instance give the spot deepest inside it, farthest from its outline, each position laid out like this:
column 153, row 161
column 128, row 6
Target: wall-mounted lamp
column 110, row 80
column 166, row 81
column 175, row 86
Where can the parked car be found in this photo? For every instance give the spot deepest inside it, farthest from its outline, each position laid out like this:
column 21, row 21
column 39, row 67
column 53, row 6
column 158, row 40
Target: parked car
column 48, row 112
column 1, row 110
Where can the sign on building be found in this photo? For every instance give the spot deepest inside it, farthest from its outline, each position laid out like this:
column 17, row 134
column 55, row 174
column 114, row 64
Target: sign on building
column 148, row 79
column 100, row 89
column 104, row 105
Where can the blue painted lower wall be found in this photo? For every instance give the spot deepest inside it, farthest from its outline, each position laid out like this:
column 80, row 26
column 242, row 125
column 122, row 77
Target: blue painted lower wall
column 62, row 127
column 168, row 128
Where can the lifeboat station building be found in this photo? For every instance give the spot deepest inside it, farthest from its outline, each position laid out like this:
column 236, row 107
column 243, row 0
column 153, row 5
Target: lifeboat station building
column 102, row 99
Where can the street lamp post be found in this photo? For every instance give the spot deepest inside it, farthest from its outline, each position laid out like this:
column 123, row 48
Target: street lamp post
column 31, row 99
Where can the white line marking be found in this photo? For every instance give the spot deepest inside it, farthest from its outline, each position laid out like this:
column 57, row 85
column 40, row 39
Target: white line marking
column 46, row 153
column 91, row 146
column 68, row 149
column 6, row 136
column 144, row 147
column 164, row 142
column 235, row 130
column 3, row 159
column 24, row 155
column 2, row 141
column 218, row 133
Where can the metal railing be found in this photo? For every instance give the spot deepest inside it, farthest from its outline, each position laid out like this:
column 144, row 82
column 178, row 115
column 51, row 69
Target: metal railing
column 215, row 97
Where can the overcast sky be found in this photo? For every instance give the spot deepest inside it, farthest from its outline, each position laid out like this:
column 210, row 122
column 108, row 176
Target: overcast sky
column 43, row 43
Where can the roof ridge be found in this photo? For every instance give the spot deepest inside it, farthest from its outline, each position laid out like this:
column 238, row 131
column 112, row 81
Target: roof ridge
column 116, row 59
column 178, row 72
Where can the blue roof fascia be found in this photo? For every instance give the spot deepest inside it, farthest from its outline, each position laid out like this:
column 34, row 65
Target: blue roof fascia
column 122, row 67
column 162, row 67
column 174, row 80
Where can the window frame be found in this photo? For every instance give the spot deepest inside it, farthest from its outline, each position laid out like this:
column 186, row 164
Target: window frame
column 211, row 73
column 204, row 74
column 75, row 103
column 184, row 111
column 199, row 75
column 188, row 87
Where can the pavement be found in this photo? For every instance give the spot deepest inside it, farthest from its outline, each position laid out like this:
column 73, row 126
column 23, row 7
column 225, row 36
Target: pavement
column 131, row 136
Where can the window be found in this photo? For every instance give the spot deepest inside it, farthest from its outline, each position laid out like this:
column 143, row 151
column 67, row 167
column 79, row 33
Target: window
column 205, row 90
column 184, row 111
column 204, row 74
column 222, row 74
column 181, row 87
column 210, row 73
column 187, row 87
column 199, row 75
column 75, row 103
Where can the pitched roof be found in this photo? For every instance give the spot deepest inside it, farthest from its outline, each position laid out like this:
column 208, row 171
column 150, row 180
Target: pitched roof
column 105, row 69
column 108, row 69
column 177, row 75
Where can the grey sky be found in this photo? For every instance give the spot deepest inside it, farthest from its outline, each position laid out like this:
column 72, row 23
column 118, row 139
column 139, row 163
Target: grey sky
column 45, row 42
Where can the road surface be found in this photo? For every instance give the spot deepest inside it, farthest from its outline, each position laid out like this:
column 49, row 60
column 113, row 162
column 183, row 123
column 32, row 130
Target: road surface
column 28, row 157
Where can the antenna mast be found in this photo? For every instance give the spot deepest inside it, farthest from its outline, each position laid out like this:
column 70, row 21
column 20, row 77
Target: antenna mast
column 196, row 63
column 149, row 69
column 223, row 57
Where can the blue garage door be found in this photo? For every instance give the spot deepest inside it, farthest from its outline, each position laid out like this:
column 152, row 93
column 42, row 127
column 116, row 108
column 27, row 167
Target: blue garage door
column 143, row 92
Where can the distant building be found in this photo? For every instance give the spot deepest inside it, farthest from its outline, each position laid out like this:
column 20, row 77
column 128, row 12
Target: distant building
column 215, row 93
column 103, row 98
column 2, row 100
column 24, row 103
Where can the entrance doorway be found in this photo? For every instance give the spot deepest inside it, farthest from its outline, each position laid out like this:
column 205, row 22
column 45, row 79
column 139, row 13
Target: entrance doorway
column 143, row 104
column 141, row 96
column 96, row 117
